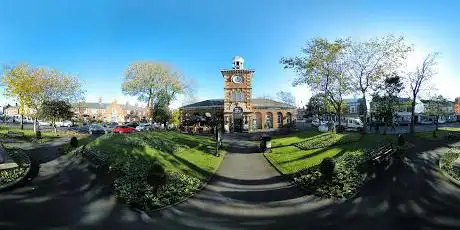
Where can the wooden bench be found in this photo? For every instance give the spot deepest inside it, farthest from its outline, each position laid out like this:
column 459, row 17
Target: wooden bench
column 453, row 135
column 15, row 134
column 382, row 154
column 96, row 160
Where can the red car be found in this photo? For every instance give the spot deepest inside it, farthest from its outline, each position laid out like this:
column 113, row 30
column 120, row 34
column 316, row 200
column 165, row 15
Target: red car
column 123, row 129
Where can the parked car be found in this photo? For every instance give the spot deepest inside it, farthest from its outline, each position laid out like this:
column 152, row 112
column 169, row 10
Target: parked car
column 123, row 129
column 44, row 123
column 132, row 124
column 96, row 129
column 143, row 127
column 351, row 123
column 323, row 128
column 315, row 122
column 426, row 122
column 64, row 124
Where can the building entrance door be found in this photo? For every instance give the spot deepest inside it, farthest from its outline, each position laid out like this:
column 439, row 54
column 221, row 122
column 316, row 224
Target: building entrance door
column 237, row 119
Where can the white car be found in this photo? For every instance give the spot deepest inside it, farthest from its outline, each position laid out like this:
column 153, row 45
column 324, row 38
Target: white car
column 143, row 127
column 64, row 123
column 426, row 122
column 44, row 123
column 323, row 128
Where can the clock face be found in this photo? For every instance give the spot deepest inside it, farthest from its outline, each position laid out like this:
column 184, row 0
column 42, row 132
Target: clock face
column 237, row 79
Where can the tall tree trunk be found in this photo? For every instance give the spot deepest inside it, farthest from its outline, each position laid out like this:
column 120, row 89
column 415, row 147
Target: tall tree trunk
column 339, row 115
column 22, row 121
column 35, row 125
column 412, row 117
column 437, row 122
column 364, row 113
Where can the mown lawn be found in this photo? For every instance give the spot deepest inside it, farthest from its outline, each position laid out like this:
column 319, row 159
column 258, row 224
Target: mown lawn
column 289, row 159
column 29, row 135
column 188, row 162
column 440, row 134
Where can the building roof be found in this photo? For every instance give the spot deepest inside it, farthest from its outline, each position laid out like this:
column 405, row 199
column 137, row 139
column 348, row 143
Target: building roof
column 258, row 103
column 206, row 104
column 261, row 103
column 97, row 105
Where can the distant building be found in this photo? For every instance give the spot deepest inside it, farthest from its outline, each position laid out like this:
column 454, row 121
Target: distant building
column 109, row 112
column 238, row 111
column 354, row 109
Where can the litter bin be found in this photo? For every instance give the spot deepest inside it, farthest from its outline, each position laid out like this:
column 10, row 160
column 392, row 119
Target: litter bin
column 265, row 143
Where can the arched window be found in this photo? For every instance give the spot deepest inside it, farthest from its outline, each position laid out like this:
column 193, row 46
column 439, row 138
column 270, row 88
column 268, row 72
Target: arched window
column 280, row 119
column 237, row 95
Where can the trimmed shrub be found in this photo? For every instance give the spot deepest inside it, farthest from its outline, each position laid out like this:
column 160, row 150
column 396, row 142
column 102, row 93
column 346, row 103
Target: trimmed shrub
column 38, row 134
column 401, row 140
column 74, row 142
column 327, row 167
column 435, row 134
column 156, row 175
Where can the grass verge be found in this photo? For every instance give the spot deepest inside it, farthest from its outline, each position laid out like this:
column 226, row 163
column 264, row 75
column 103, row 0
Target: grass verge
column 188, row 163
column 30, row 136
column 303, row 165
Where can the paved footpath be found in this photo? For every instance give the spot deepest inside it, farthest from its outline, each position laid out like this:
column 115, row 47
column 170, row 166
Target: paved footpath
column 246, row 193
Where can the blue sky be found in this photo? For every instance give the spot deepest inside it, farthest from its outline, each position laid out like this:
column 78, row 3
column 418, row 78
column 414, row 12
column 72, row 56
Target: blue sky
column 97, row 40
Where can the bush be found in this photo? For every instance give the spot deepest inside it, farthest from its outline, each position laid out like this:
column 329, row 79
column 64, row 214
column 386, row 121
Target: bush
column 327, row 167
column 401, row 140
column 74, row 142
column 435, row 134
column 38, row 134
column 156, row 175
column 345, row 182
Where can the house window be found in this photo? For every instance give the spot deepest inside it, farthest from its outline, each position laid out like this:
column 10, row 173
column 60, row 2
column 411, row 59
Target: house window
column 353, row 109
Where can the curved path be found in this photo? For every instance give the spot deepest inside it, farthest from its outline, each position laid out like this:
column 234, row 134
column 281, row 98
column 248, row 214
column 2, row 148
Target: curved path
column 246, row 193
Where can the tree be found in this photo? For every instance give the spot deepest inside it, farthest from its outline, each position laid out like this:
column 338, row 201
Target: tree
column 286, row 97
column 436, row 106
column 372, row 60
column 175, row 117
column 31, row 86
column 161, row 114
column 55, row 110
column 323, row 68
column 317, row 105
column 418, row 79
column 386, row 99
column 156, row 84
column 22, row 83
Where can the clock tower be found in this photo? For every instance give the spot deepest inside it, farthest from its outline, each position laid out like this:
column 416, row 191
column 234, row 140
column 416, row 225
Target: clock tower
column 237, row 96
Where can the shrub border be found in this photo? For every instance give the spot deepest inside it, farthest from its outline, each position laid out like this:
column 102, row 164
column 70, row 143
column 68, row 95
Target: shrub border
column 204, row 184
column 290, row 177
column 446, row 174
column 335, row 144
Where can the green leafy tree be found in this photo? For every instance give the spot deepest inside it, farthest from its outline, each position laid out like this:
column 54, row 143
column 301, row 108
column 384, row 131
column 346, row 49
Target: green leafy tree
column 22, row 84
column 175, row 118
column 418, row 80
column 317, row 105
column 161, row 114
column 372, row 60
column 156, row 84
column 54, row 111
column 436, row 106
column 386, row 100
column 323, row 67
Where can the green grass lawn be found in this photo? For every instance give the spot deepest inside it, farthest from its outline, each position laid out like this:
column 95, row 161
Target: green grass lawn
column 175, row 151
column 188, row 162
column 289, row 159
column 29, row 135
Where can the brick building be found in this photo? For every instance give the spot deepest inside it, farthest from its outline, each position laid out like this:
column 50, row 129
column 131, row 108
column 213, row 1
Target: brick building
column 109, row 112
column 238, row 111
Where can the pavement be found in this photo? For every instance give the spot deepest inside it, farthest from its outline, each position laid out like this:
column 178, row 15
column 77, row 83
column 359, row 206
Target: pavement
column 246, row 193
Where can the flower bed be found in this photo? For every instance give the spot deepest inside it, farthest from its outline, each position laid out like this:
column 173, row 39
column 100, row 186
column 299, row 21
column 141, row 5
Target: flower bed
column 343, row 183
column 9, row 175
column 328, row 140
column 446, row 163
column 129, row 159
